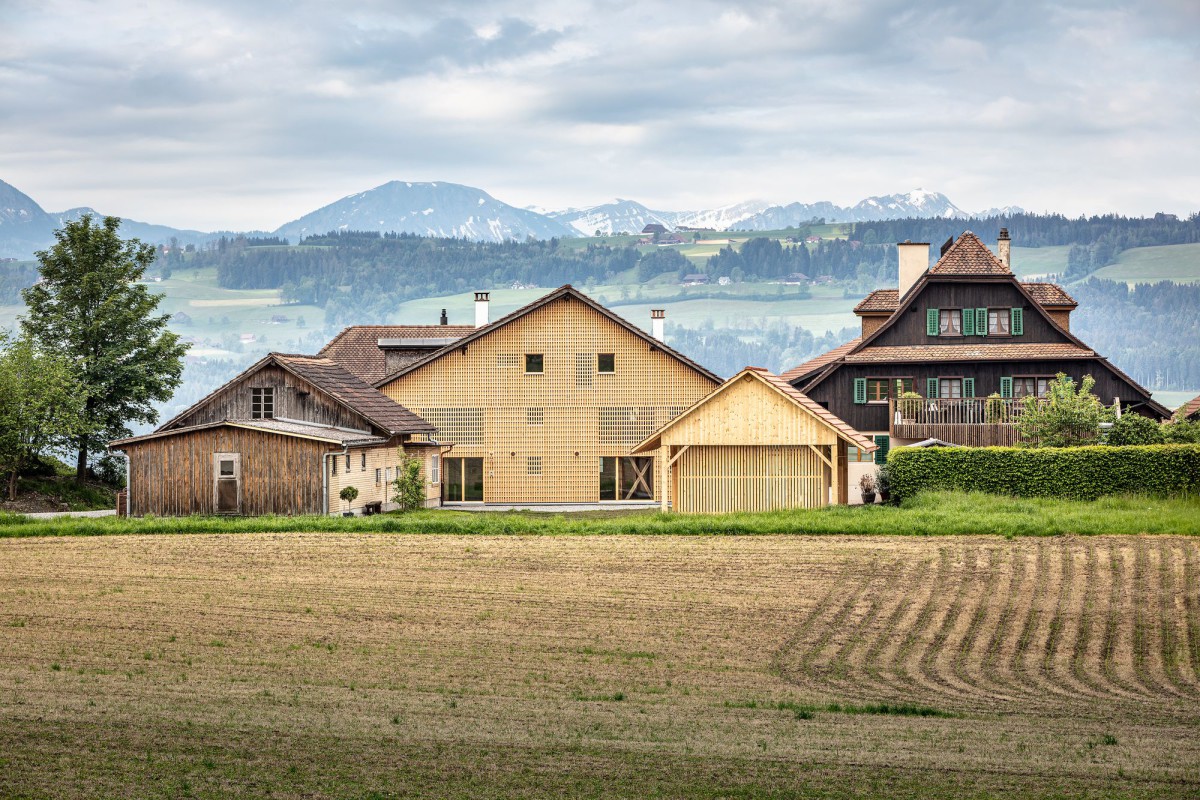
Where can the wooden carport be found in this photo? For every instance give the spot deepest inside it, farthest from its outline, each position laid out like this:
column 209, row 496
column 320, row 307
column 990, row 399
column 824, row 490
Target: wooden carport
column 754, row 444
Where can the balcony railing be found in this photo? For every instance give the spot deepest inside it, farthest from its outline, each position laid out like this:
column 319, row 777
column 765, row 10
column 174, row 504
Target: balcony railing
column 968, row 421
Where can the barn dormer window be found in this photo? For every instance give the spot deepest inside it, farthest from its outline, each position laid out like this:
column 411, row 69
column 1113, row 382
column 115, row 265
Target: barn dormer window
column 262, row 403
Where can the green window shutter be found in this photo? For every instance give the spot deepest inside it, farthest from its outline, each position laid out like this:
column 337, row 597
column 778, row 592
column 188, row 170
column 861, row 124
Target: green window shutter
column 981, row 322
column 968, row 322
column 860, row 390
column 931, row 387
column 968, row 387
column 1006, row 387
column 1018, row 321
column 883, row 443
column 931, row 322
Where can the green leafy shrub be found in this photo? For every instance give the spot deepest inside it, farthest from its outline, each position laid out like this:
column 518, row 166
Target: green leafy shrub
column 409, row 486
column 1081, row 473
column 1134, row 429
column 1068, row 415
column 1181, row 431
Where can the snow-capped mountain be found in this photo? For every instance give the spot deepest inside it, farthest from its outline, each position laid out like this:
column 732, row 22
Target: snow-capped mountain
column 721, row 218
column 619, row 216
column 428, row 209
column 24, row 226
column 917, row 203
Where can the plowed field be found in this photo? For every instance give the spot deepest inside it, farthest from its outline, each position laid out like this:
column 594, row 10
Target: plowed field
column 326, row 665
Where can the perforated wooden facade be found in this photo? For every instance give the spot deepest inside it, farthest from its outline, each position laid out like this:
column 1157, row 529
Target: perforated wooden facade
column 563, row 434
column 754, row 444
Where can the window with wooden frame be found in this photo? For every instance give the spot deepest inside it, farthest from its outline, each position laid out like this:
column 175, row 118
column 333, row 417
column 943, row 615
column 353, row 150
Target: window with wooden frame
column 879, row 390
column 262, row 403
column 606, row 363
column 950, row 388
column 950, row 322
column 999, row 322
column 856, row 456
column 534, row 364
column 1030, row 385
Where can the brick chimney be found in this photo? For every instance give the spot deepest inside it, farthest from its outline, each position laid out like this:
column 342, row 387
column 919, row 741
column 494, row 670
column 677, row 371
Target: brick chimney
column 481, row 308
column 1004, row 248
column 914, row 261
column 658, row 322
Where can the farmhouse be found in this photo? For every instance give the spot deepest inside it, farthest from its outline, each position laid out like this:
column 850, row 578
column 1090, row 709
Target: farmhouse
column 955, row 333
column 546, row 404
column 283, row 437
column 754, row 444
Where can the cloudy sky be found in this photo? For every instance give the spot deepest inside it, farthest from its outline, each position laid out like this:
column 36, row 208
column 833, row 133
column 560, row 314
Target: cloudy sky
column 235, row 114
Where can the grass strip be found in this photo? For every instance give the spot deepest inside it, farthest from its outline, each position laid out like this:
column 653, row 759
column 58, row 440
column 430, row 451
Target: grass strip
column 808, row 710
column 933, row 514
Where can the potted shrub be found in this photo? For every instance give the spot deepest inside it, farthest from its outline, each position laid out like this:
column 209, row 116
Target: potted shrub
column 866, row 485
column 883, row 479
column 910, row 404
column 348, row 494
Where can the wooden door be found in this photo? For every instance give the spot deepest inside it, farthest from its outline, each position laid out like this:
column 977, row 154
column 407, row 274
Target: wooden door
column 227, row 483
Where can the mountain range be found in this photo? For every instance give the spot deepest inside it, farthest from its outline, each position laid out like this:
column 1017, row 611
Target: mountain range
column 452, row 210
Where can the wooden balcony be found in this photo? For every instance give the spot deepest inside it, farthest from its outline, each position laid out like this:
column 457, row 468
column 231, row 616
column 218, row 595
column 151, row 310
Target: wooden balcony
column 969, row 421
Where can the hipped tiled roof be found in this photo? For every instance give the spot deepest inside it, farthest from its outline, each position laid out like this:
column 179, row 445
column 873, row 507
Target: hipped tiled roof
column 1050, row 294
column 357, row 348
column 814, row 364
column 879, row 300
column 969, row 256
column 970, row 352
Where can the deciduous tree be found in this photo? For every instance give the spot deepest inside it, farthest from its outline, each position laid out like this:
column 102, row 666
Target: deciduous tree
column 91, row 308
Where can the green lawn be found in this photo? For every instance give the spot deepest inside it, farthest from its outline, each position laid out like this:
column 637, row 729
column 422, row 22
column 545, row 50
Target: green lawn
column 1176, row 262
column 934, row 514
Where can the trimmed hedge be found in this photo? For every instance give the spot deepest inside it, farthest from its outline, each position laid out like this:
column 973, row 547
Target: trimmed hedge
column 1080, row 473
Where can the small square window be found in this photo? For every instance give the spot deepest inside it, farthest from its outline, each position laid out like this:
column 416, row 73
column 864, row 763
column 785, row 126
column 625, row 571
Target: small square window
column 534, row 363
column 606, row 363
column 262, row 403
column 226, row 469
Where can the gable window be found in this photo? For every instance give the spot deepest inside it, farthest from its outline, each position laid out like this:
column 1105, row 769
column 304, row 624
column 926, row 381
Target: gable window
column 534, row 364
column 999, row 322
column 262, row 403
column 1030, row 385
column 950, row 322
column 606, row 363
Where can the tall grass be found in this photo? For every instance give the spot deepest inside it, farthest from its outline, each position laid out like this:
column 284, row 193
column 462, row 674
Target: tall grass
column 933, row 514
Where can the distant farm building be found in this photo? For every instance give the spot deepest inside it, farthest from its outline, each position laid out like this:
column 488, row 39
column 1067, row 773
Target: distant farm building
column 654, row 229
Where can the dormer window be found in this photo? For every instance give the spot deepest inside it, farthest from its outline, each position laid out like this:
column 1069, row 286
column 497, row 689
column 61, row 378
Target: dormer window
column 262, row 403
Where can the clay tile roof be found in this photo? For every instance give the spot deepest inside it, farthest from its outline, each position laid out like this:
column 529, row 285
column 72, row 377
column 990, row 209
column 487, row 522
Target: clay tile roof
column 879, row 300
column 1049, row 294
column 969, row 256
column 1189, row 408
column 969, row 352
column 352, row 391
column 357, row 348
column 860, row 441
column 814, row 364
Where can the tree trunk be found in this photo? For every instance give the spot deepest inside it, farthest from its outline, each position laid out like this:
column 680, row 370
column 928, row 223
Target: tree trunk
column 81, row 462
column 12, row 485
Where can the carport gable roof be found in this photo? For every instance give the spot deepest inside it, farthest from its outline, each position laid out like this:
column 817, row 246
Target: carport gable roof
column 774, row 382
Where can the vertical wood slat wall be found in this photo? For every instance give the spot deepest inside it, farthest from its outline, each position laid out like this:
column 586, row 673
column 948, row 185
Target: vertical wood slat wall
column 173, row 475
column 720, row 479
column 484, row 403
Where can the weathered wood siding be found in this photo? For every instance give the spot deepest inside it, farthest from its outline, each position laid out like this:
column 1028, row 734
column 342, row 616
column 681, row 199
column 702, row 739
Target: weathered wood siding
column 173, row 475
column 838, row 389
column 720, row 480
column 541, row 436
column 294, row 399
column 910, row 329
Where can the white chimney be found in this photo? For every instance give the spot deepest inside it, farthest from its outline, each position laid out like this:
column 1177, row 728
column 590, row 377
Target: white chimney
column 658, row 322
column 1004, row 247
column 914, row 260
column 481, row 309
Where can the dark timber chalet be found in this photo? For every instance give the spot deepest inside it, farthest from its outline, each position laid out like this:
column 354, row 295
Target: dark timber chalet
column 283, row 437
column 956, row 333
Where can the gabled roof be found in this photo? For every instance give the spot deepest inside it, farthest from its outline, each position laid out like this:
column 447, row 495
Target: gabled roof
column 1050, row 295
column 814, row 364
column 348, row 390
column 969, row 256
column 782, row 387
column 567, row 291
column 284, row 427
column 357, row 348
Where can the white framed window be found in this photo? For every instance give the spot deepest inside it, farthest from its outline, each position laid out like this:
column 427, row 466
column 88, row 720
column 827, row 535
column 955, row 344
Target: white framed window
column 435, row 469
